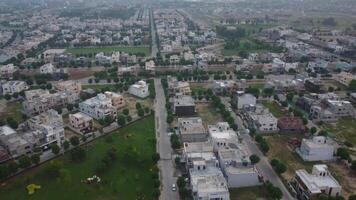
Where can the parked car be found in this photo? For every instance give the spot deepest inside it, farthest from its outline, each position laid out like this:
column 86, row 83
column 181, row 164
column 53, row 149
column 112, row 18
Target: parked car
column 174, row 187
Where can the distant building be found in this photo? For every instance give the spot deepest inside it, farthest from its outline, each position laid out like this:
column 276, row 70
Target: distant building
column 69, row 85
column 192, row 130
column 7, row 71
column 244, row 99
column 319, row 182
column 47, row 69
column 177, row 87
column 184, row 106
column 139, row 89
column 12, row 87
column 13, row 143
column 82, row 123
column 331, row 110
column 318, row 148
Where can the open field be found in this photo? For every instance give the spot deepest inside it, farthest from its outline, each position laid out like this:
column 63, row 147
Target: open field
column 11, row 109
column 98, row 87
column 274, row 108
column 345, row 176
column 208, row 113
column 280, row 150
column 343, row 130
column 109, row 49
column 249, row 193
column 124, row 179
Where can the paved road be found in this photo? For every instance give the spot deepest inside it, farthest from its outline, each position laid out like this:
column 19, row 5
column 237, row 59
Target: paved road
column 164, row 145
column 154, row 48
column 264, row 165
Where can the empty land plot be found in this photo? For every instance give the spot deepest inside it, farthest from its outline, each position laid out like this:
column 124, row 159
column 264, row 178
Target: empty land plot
column 109, row 49
column 208, row 113
column 344, row 129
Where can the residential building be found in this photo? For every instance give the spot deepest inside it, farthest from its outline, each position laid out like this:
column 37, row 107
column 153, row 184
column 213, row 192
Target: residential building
column 192, row 129
column 47, row 69
column 244, row 100
column 208, row 182
column 82, row 123
column 150, row 65
column 13, row 143
column 318, row 148
column 177, row 87
column 290, row 124
column 261, row 120
column 184, row 105
column 11, row 87
column 98, row 107
column 139, row 89
column 319, row 182
column 199, row 151
column 331, row 110
column 227, row 87
column 101, row 59
column 70, row 85
column 7, row 71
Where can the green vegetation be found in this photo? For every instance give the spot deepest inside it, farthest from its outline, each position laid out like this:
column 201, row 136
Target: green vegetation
column 343, row 130
column 12, row 110
column 274, row 108
column 131, row 176
column 144, row 50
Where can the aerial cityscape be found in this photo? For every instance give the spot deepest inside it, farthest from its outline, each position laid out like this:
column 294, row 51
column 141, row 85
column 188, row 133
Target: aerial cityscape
column 178, row 100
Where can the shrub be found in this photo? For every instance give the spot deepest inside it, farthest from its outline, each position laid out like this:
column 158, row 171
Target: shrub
column 74, row 140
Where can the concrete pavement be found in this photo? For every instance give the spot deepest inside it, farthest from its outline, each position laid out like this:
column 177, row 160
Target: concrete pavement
column 164, row 145
column 154, row 48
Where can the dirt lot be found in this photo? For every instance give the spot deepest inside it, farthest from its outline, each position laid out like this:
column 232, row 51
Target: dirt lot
column 345, row 176
column 131, row 103
column 208, row 114
column 79, row 73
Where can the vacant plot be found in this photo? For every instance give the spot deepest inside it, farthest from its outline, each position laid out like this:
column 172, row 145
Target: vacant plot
column 109, row 49
column 280, row 150
column 274, row 108
column 123, row 179
column 345, row 176
column 249, row 193
column 108, row 87
column 343, row 130
column 208, row 113
column 11, row 109
column 79, row 73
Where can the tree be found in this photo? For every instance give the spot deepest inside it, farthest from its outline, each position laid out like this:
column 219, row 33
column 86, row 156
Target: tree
column 78, row 154
column 264, row 146
column 138, row 106
column 280, row 168
column 274, row 192
column 65, row 145
column 140, row 112
column 121, row 120
column 147, row 110
column 175, row 143
column 13, row 167
column 24, row 161
column 313, row 130
column 343, row 153
column 12, row 122
column 35, row 159
column 4, row 171
column 74, row 141
column 128, row 118
column 254, row 159
column 55, row 148
column 155, row 158
column 126, row 111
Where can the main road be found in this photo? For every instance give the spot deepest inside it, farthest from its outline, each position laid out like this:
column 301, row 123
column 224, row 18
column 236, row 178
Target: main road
column 264, row 165
column 154, row 48
column 164, row 145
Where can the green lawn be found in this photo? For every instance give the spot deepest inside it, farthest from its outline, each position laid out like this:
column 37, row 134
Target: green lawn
column 343, row 130
column 122, row 180
column 274, row 108
column 109, row 49
column 248, row 193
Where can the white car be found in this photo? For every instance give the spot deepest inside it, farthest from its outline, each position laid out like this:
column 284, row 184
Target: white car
column 174, row 187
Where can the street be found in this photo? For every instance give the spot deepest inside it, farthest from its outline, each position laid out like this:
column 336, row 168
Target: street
column 164, row 145
column 154, row 48
column 264, row 165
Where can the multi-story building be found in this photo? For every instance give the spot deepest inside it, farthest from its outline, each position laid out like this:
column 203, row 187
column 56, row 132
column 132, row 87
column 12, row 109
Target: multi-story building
column 38, row 101
column 261, row 120
column 12, row 87
column 199, row 151
column 47, row 69
column 177, row 87
column 184, row 105
column 318, row 148
column 7, row 71
column 69, row 85
column 319, row 182
column 192, row 129
column 13, row 143
column 331, row 110
column 82, row 123
column 244, row 100
column 99, row 107
column 139, row 89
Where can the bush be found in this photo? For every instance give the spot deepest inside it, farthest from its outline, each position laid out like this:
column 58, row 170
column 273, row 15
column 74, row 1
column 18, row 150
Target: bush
column 55, row 148
column 126, row 111
column 53, row 170
column 24, row 161
column 4, row 171
column 175, row 143
column 35, row 159
column 121, row 120
column 74, row 140
column 65, row 145
column 254, row 159
column 140, row 112
column 343, row 153
column 155, row 158
column 278, row 166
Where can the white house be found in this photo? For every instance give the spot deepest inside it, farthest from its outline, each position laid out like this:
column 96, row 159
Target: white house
column 98, row 107
column 139, row 89
column 150, row 65
column 262, row 120
column 47, row 69
column 244, row 99
column 319, row 148
column 12, row 87
column 320, row 181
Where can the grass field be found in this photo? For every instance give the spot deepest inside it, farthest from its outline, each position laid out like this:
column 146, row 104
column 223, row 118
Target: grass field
column 343, row 130
column 279, row 149
column 249, row 193
column 122, row 180
column 208, row 113
column 12, row 109
column 109, row 49
column 274, row 108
